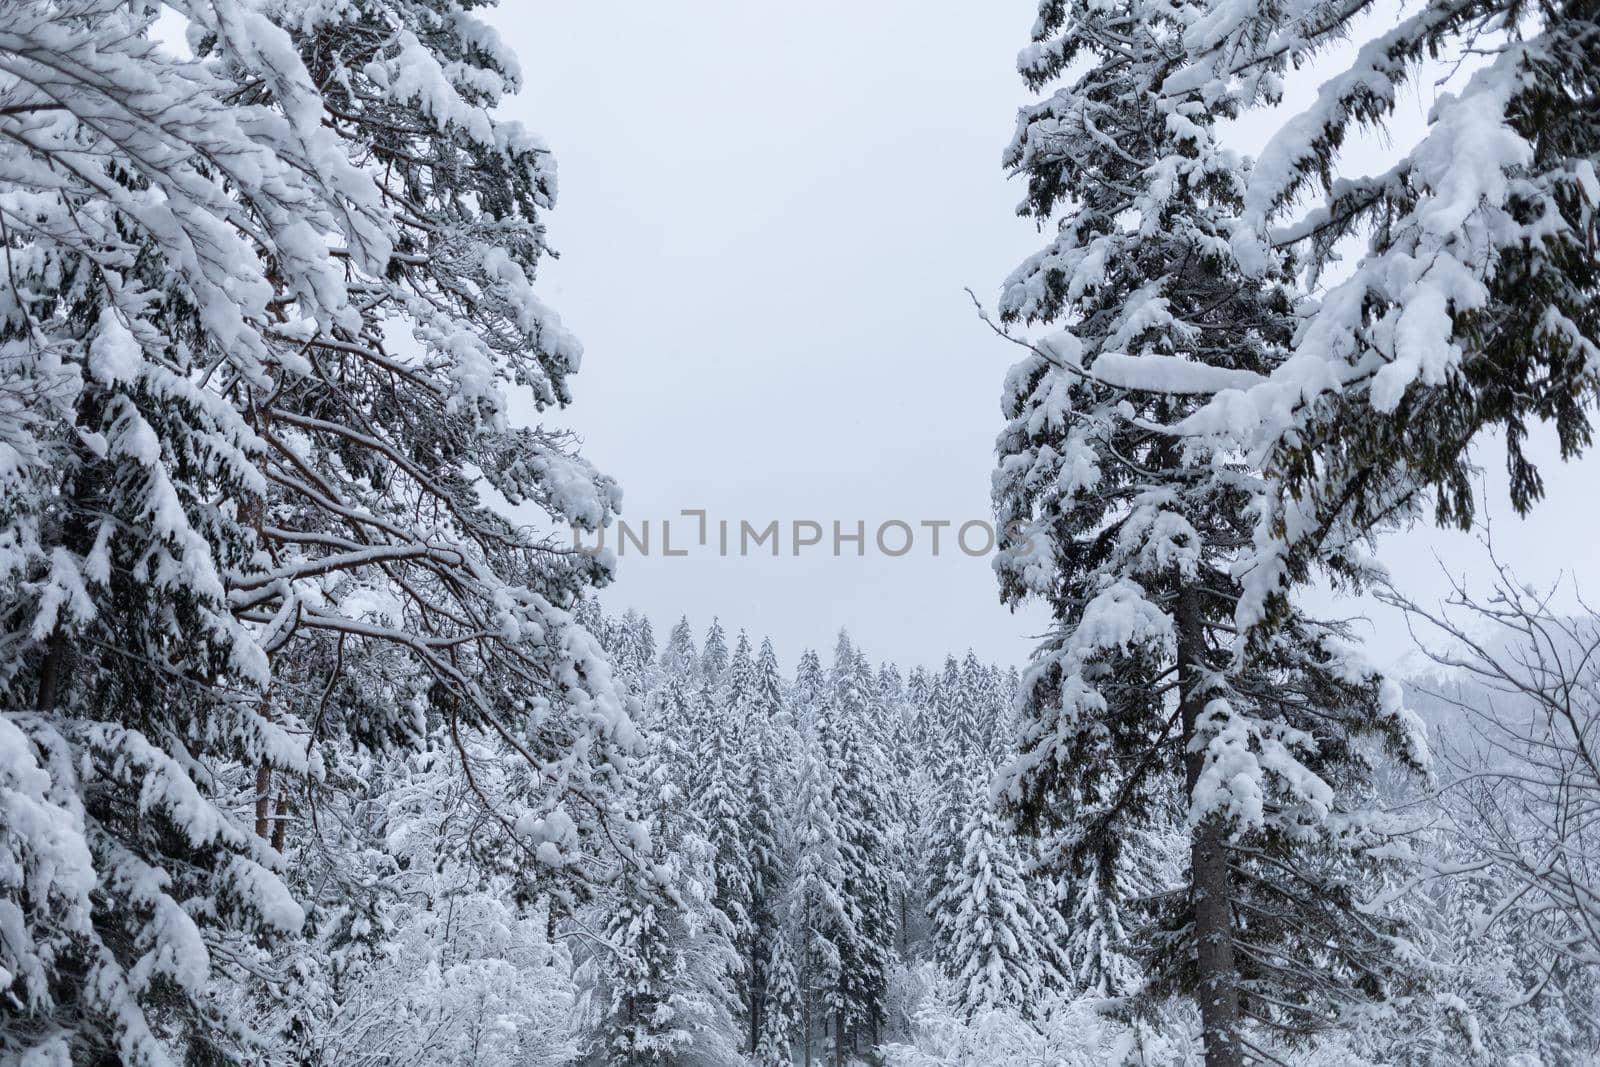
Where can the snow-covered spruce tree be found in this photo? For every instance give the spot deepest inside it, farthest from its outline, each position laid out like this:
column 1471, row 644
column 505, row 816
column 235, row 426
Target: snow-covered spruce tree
column 664, row 973
column 817, row 912
column 679, row 655
column 861, row 777
column 151, row 221
column 810, row 687
column 768, row 698
column 740, row 678
column 641, row 1023
column 714, row 654
column 381, row 445
column 1004, row 948
column 1472, row 306
column 222, row 487
column 399, row 600
column 781, row 1016
column 955, row 752
column 1136, row 711
column 943, row 815
column 903, row 788
column 722, row 805
column 633, row 650
column 764, row 763
column 983, row 710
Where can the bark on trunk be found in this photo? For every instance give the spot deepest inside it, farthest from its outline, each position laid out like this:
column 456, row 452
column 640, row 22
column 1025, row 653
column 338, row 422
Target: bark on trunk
column 1218, row 991
column 757, row 982
column 264, row 784
column 264, row 802
column 52, row 671
column 280, row 821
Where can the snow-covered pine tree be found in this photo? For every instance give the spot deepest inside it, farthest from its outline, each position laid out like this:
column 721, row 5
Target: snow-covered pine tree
column 679, row 655
column 1004, row 948
column 152, row 216
column 810, row 688
column 388, row 446
column 227, row 489
column 861, row 776
column 641, row 1021
column 978, row 705
column 781, row 1019
column 901, row 835
column 592, row 617
column 634, row 650
column 950, row 765
column 665, row 975
column 1131, row 536
column 722, row 804
column 765, row 760
column 767, row 699
column 763, row 780
column 419, row 950
column 714, row 654
column 1472, row 306
column 820, row 917
column 919, row 699
column 740, row 678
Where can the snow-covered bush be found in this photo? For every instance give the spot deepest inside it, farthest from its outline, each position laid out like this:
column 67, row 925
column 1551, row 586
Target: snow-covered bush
column 1063, row 1032
column 464, row 981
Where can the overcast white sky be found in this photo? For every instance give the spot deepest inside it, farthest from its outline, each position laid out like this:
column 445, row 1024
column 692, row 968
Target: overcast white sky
column 768, row 213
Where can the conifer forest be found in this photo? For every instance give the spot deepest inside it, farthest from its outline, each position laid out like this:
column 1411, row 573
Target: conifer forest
column 332, row 735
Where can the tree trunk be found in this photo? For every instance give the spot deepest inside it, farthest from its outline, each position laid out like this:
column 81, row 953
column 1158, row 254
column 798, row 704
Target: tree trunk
column 51, row 671
column 264, row 784
column 838, row 1038
column 756, row 982
column 264, row 802
column 1218, row 990
column 280, row 821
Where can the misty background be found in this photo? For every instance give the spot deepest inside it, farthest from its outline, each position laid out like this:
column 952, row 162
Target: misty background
column 767, row 217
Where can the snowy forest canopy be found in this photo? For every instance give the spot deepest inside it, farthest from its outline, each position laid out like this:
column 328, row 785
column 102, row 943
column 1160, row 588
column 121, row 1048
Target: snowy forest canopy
column 317, row 745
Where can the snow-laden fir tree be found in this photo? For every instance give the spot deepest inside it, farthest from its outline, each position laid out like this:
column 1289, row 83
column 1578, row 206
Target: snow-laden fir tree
column 633, row 650
column 150, row 221
column 382, row 446
column 766, row 748
column 1004, row 947
column 714, row 654
column 810, row 686
column 665, row 971
column 739, row 679
column 722, row 805
column 817, row 911
column 767, row 699
column 1471, row 307
column 223, row 484
column 679, row 655
column 850, row 725
column 901, row 760
column 943, row 808
column 980, row 699
column 1137, row 711
column 781, row 1016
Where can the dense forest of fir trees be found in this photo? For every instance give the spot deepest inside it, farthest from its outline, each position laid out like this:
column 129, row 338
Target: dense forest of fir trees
column 317, row 747
column 821, row 831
